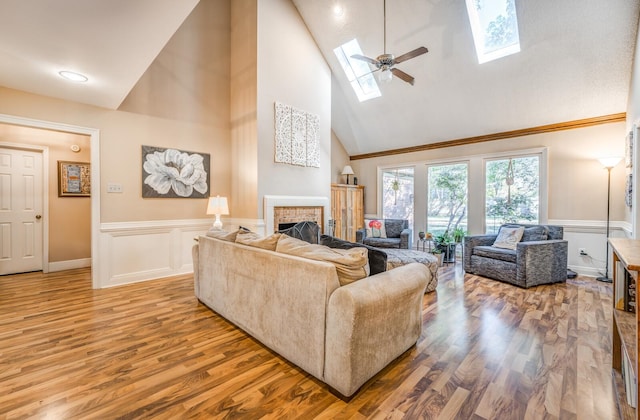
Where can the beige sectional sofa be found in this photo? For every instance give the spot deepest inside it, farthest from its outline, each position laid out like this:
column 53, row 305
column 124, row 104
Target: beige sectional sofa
column 342, row 335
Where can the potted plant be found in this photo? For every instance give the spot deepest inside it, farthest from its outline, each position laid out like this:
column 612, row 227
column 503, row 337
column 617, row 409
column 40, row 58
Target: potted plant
column 442, row 240
column 438, row 254
column 446, row 245
column 458, row 234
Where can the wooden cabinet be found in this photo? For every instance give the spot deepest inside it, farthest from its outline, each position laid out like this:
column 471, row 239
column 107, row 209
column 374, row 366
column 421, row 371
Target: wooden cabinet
column 626, row 262
column 347, row 210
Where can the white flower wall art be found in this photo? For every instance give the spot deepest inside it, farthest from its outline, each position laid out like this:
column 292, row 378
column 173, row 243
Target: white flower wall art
column 297, row 136
column 172, row 173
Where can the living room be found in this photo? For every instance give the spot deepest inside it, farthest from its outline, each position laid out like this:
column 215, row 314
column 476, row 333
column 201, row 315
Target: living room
column 227, row 111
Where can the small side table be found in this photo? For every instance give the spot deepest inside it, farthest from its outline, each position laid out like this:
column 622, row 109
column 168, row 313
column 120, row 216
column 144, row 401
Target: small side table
column 421, row 244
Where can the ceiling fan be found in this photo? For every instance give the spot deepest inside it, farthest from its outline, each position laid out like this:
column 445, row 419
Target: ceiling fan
column 386, row 62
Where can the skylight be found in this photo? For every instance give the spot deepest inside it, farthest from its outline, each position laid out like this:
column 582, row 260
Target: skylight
column 357, row 71
column 495, row 28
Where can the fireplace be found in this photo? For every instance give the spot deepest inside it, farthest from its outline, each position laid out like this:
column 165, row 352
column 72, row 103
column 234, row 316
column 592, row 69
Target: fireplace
column 293, row 209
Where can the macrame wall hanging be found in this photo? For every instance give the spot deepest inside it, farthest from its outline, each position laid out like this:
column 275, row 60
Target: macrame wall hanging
column 395, row 186
column 509, row 180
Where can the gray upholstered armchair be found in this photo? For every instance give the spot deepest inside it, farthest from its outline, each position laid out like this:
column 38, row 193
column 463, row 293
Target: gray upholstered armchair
column 398, row 235
column 539, row 258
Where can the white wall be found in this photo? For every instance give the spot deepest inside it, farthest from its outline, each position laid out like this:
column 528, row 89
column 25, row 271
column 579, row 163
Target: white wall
column 633, row 123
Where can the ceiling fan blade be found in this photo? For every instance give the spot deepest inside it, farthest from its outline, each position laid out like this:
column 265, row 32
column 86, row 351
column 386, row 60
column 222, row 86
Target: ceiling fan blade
column 404, row 57
column 402, row 75
column 367, row 59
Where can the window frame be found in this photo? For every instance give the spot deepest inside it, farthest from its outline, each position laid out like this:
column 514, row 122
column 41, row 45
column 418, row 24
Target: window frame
column 445, row 163
column 543, row 216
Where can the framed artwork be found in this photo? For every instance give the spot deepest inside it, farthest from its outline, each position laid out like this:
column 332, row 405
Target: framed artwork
column 628, row 150
column 173, row 173
column 74, row 179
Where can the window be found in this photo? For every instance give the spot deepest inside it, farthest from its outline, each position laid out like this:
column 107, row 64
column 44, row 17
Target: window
column 447, row 198
column 357, row 71
column 512, row 191
column 495, row 28
column 397, row 194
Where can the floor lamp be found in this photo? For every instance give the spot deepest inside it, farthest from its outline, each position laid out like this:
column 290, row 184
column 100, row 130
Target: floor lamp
column 608, row 163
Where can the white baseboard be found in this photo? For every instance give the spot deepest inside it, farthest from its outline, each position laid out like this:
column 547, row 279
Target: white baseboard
column 69, row 265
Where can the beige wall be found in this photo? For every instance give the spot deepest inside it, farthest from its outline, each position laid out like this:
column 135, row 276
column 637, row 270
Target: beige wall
column 244, row 87
column 178, row 103
column 291, row 70
column 577, row 181
column 339, row 158
column 69, row 217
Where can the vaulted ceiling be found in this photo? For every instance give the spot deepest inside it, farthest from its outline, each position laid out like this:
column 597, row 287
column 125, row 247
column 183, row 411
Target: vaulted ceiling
column 575, row 61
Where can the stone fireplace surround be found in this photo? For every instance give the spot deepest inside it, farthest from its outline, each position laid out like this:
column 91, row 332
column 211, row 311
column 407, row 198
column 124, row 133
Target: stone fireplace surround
column 290, row 209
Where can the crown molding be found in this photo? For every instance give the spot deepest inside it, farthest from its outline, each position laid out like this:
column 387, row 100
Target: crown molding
column 567, row 125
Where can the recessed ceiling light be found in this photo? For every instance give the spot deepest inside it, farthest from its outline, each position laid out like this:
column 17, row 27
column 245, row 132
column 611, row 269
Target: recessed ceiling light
column 338, row 10
column 73, row 76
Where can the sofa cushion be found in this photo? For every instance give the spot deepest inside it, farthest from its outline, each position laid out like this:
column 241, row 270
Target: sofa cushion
column 377, row 258
column 375, row 228
column 502, row 254
column 508, row 237
column 351, row 264
column 253, row 239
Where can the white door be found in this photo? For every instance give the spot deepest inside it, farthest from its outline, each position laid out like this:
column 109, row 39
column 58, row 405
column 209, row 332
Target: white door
column 20, row 211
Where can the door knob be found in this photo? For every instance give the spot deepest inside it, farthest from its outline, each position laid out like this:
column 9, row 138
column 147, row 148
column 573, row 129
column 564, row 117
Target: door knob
column 38, row 217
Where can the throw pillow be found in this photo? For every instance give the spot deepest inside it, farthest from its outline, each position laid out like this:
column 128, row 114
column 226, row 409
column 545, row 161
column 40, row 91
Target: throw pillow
column 377, row 258
column 253, row 239
column 222, row 234
column 351, row 264
column 508, row 237
column 375, row 228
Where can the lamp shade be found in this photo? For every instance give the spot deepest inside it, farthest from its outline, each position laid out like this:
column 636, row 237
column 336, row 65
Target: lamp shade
column 610, row 162
column 218, row 205
column 347, row 170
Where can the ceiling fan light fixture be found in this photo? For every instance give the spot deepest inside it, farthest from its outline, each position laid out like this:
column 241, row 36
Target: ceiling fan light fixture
column 385, row 75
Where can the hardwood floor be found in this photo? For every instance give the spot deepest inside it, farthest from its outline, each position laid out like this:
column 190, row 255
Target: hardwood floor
column 150, row 350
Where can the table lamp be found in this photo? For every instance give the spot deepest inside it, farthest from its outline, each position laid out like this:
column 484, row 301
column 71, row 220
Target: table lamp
column 217, row 205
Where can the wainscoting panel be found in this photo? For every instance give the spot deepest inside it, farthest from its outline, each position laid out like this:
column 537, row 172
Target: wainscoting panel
column 590, row 235
column 131, row 252
column 139, row 251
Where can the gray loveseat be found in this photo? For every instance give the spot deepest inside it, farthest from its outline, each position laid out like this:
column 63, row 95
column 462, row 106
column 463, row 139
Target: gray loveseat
column 540, row 257
column 397, row 232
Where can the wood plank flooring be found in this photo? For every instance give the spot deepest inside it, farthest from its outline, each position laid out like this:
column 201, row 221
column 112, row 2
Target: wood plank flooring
column 150, row 350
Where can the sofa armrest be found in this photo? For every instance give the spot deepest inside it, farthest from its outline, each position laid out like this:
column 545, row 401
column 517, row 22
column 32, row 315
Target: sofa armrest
column 370, row 323
column 542, row 262
column 405, row 239
column 360, row 235
column 195, row 255
column 470, row 242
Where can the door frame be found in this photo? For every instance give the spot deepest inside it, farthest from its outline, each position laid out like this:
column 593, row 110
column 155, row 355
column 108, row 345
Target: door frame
column 94, row 135
column 45, row 193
